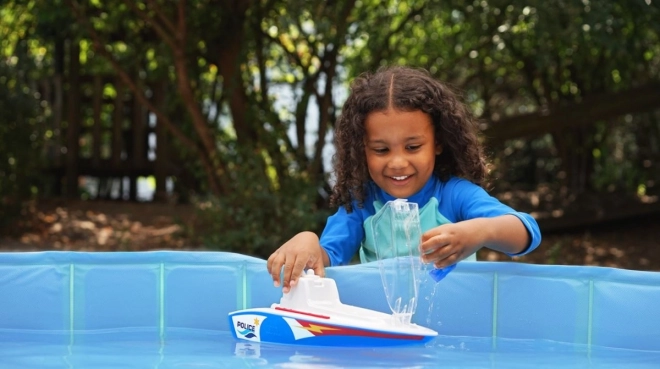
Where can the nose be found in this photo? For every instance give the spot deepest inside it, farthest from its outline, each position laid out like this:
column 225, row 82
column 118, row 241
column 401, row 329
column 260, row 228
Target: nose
column 397, row 161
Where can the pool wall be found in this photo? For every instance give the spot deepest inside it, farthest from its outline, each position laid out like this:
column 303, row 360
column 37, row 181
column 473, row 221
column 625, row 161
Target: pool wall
column 155, row 292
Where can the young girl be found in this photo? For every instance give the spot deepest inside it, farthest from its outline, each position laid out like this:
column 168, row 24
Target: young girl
column 403, row 134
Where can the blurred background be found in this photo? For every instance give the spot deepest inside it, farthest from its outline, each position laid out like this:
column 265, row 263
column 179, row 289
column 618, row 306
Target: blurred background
column 207, row 125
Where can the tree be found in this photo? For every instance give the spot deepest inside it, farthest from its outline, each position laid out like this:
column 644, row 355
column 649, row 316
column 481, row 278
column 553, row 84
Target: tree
column 531, row 69
column 21, row 118
column 252, row 88
column 227, row 79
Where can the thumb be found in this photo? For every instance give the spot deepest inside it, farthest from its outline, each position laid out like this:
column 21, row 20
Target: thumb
column 433, row 232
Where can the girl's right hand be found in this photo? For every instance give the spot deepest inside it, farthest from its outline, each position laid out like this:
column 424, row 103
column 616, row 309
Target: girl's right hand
column 300, row 252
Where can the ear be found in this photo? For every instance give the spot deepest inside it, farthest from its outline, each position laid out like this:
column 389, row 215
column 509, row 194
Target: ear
column 438, row 149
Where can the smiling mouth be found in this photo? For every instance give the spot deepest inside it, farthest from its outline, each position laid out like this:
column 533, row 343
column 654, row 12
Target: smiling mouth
column 400, row 178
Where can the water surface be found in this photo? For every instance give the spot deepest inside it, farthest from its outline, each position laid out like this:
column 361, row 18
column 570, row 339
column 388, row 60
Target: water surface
column 206, row 349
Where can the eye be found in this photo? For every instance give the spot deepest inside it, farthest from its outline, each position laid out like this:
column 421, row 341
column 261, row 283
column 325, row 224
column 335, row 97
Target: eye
column 380, row 150
column 413, row 147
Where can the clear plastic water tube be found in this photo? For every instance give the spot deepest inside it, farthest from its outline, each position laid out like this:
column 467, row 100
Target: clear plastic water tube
column 397, row 234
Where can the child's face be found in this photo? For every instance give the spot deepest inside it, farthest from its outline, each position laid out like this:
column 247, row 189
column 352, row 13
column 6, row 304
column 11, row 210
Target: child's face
column 400, row 148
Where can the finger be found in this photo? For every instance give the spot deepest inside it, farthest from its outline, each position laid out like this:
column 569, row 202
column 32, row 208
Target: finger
column 447, row 261
column 319, row 270
column 437, row 231
column 440, row 254
column 427, row 235
column 298, row 268
column 431, row 246
column 269, row 262
column 286, row 275
column 275, row 262
column 317, row 266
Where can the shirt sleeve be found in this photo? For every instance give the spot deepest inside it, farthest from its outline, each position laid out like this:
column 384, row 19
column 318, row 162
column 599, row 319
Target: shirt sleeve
column 342, row 235
column 471, row 201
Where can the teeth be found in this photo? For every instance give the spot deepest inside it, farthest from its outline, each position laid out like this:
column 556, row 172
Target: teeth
column 400, row 178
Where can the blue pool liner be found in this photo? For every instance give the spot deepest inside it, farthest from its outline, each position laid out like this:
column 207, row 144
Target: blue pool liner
column 158, row 293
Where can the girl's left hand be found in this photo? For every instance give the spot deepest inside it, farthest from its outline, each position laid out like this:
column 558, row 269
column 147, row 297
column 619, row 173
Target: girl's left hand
column 450, row 243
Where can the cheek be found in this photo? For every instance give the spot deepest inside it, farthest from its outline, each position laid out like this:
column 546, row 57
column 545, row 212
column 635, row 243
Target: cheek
column 373, row 163
column 370, row 162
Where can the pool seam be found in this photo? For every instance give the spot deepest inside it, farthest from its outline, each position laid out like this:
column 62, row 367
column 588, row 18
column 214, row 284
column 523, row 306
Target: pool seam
column 590, row 314
column 245, row 285
column 71, row 302
column 161, row 286
column 495, row 292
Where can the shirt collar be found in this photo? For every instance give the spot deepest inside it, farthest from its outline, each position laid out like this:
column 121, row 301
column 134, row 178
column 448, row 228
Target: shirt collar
column 420, row 198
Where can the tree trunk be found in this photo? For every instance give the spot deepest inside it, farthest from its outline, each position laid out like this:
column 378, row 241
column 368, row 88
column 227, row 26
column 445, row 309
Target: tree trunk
column 73, row 121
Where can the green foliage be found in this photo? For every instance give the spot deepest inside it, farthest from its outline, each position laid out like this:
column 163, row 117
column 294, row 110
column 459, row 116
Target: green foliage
column 623, row 155
column 21, row 137
column 256, row 77
column 518, row 57
column 256, row 217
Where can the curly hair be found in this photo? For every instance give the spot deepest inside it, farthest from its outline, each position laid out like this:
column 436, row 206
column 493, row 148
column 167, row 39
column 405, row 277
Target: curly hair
column 404, row 89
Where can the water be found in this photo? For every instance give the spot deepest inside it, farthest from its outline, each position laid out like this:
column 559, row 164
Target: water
column 205, row 349
column 396, row 227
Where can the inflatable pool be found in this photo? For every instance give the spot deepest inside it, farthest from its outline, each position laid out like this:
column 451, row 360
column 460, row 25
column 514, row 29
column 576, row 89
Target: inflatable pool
column 169, row 309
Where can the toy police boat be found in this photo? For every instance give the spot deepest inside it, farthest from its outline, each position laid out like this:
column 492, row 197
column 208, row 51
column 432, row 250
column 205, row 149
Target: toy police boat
column 312, row 314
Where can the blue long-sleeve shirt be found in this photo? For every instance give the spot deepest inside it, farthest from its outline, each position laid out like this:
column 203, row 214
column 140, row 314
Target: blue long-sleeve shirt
column 439, row 203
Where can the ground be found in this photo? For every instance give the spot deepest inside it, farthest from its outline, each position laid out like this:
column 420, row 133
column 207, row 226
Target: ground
column 122, row 226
